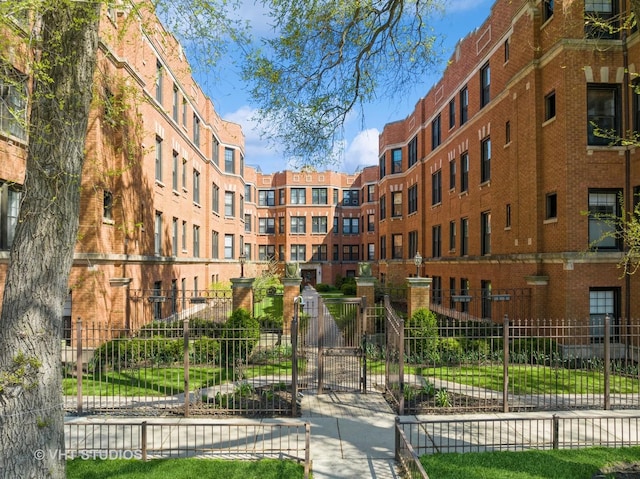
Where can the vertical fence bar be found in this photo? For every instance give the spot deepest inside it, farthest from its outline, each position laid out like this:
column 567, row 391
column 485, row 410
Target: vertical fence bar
column 187, row 398
column 505, row 364
column 294, row 364
column 555, row 431
column 79, row 366
column 321, row 327
column 607, row 362
column 307, row 450
column 143, row 440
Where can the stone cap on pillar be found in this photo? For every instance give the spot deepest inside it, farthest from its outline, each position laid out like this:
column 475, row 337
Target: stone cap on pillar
column 242, row 282
column 419, row 282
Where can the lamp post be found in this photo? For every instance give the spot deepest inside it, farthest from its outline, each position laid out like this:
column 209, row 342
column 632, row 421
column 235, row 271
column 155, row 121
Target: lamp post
column 417, row 259
column 243, row 259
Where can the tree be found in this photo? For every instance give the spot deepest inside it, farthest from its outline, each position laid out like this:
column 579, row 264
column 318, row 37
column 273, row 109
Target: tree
column 330, row 57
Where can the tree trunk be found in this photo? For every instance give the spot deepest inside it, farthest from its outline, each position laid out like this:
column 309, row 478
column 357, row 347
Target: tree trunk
column 31, row 411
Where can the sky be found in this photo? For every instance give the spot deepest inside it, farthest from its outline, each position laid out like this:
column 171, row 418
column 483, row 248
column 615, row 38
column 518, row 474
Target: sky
column 361, row 133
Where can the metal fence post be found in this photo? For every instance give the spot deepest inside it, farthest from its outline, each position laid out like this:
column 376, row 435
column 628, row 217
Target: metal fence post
column 396, row 430
column 187, row 399
column 307, row 450
column 607, row 362
column 143, row 440
column 556, row 431
column 79, row 366
column 505, row 364
column 294, row 365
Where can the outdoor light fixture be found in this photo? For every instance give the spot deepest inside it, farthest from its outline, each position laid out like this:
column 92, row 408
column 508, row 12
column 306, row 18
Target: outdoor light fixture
column 417, row 259
column 243, row 260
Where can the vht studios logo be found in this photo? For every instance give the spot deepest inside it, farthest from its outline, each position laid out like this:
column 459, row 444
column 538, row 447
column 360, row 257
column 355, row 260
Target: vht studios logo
column 41, row 454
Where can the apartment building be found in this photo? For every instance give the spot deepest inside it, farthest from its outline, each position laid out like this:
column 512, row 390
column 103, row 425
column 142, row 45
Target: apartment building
column 498, row 177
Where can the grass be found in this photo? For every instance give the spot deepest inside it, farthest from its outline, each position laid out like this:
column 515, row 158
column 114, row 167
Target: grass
column 523, row 379
column 163, row 381
column 183, row 469
column 565, row 464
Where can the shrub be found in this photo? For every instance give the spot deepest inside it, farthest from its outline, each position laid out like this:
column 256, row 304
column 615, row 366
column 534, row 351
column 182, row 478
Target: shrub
column 348, row 289
column 131, row 353
column 205, row 351
column 323, row 288
column 450, row 350
column 242, row 332
column 421, row 335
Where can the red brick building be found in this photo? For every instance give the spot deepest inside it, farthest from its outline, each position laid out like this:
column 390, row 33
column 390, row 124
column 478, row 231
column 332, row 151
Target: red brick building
column 493, row 175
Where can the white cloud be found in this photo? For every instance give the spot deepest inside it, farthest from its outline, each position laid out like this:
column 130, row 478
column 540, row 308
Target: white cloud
column 361, row 151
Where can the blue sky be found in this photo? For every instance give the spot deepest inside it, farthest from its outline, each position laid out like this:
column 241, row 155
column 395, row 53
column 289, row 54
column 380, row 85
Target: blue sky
column 361, row 133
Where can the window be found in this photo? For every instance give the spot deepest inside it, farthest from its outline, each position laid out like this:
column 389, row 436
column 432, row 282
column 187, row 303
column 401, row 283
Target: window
column 464, row 173
column 371, row 193
column 158, row 159
column 485, row 85
column 436, row 241
column 396, row 161
column 196, row 186
column 382, row 163
column 319, row 224
column 335, row 196
column 371, row 252
column 413, row 243
column 507, row 216
column 464, row 105
column 350, row 197
column 215, row 150
column 485, row 287
column 350, row 253
column 196, row 130
column 281, row 196
column 336, row 252
column 266, row 198
column 247, row 223
column 507, row 43
column 350, row 226
column 396, row 200
column 319, row 196
column 184, row 112
column 603, row 113
column 452, row 175
column 436, row 188
column 159, row 80
column 247, row 251
column 196, row 241
column 464, row 236
column 174, row 237
column 452, row 113
column 435, row 132
column 298, row 196
column 551, row 206
column 412, row 151
column 247, row 193
column 157, row 306
column 336, row 227
column 601, row 19
column 266, row 226
column 229, row 160
column 485, row 158
column 547, row 9
column 298, row 252
column 319, row 252
column 107, row 205
column 184, row 236
column 464, row 291
column 485, row 233
column 13, row 103
column 452, row 236
column 266, row 252
column 604, row 211
column 215, row 244
column 604, row 302
column 371, row 222
column 507, row 132
column 383, row 247
column 412, row 197
column 298, row 225
column 383, row 207
column 396, row 240
column 174, row 170
column 175, row 103
column 281, row 226
column 157, row 234
column 550, row 106
column 215, row 199
column 229, row 203
column 228, row 247
column 184, row 174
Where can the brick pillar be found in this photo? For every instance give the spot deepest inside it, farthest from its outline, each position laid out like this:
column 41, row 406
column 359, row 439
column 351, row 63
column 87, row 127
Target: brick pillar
column 242, row 293
column 291, row 290
column 419, row 292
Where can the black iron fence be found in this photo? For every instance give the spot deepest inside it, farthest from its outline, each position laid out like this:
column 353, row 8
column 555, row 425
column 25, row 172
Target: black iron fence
column 165, row 438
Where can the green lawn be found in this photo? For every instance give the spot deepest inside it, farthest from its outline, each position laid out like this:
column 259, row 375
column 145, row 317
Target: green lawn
column 163, row 381
column 561, row 464
column 524, row 379
column 183, row 469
